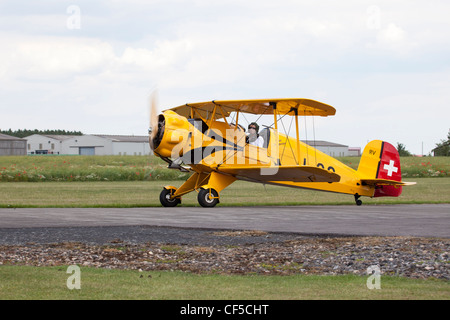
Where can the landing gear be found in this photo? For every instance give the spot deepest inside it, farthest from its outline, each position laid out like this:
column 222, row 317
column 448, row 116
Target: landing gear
column 165, row 197
column 208, row 198
column 357, row 200
column 208, row 186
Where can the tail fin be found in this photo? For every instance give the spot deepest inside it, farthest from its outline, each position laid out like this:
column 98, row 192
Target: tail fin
column 380, row 167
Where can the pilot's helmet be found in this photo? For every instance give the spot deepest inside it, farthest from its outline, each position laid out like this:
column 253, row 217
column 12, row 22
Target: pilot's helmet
column 254, row 125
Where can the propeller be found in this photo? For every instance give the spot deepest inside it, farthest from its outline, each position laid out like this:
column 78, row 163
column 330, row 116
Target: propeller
column 153, row 125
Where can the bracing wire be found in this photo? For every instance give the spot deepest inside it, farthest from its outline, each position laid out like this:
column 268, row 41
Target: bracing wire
column 227, row 155
column 288, row 140
column 243, row 114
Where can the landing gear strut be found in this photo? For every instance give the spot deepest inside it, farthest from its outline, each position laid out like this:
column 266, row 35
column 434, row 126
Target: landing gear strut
column 357, row 200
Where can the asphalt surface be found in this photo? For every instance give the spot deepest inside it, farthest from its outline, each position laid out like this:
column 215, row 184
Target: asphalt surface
column 196, row 224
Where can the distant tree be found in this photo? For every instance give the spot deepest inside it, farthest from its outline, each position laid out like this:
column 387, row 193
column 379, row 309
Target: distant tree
column 402, row 150
column 26, row 132
column 443, row 147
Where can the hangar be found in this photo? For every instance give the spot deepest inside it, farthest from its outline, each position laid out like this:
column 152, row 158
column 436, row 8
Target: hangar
column 88, row 144
column 128, row 145
column 12, row 146
column 45, row 144
column 330, row 148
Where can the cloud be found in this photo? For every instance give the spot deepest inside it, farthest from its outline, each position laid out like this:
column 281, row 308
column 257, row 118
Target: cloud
column 392, row 35
column 165, row 55
column 52, row 58
column 393, row 39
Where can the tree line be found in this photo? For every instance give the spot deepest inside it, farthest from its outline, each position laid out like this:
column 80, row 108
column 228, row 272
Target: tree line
column 26, row 132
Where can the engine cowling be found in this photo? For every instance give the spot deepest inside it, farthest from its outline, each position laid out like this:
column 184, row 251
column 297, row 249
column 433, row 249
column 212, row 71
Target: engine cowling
column 172, row 133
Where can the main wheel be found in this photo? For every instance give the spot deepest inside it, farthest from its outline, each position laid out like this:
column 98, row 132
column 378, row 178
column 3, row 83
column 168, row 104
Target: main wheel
column 357, row 200
column 205, row 200
column 166, row 201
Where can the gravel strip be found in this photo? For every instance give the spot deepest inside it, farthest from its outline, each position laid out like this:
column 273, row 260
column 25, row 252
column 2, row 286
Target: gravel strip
column 224, row 251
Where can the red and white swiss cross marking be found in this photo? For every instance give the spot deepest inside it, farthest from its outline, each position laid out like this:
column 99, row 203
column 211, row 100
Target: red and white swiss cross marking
column 390, row 168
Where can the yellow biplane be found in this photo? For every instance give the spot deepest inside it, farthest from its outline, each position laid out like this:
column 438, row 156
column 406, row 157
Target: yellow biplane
column 198, row 138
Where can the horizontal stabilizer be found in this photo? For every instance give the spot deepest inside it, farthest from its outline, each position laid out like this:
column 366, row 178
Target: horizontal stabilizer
column 282, row 173
column 384, row 182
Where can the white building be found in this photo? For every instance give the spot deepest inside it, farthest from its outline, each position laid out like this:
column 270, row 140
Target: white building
column 330, row 148
column 45, row 144
column 88, row 145
column 128, row 145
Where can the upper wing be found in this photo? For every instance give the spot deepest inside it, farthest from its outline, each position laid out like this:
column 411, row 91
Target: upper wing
column 282, row 173
column 304, row 107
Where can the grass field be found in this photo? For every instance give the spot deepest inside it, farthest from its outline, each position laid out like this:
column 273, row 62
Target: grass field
column 85, row 168
column 137, row 181
column 23, row 282
column 240, row 193
column 145, row 168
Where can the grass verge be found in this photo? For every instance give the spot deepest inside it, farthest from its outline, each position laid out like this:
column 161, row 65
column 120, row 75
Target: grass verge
column 25, row 282
column 240, row 193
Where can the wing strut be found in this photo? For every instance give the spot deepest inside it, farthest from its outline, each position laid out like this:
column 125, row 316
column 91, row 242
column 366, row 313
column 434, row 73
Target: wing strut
column 274, row 106
column 298, row 136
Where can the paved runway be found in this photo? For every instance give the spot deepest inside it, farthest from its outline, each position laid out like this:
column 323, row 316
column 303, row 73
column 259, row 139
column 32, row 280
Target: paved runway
column 382, row 220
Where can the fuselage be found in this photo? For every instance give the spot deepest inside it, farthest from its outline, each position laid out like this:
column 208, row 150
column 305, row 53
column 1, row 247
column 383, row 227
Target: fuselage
column 211, row 146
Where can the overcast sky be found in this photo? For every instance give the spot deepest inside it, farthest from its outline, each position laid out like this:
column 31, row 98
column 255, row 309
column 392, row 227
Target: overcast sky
column 91, row 65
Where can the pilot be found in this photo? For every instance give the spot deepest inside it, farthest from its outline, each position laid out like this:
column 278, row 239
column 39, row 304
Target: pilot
column 253, row 137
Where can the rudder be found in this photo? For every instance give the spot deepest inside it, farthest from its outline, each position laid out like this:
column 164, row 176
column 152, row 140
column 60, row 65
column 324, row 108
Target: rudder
column 380, row 160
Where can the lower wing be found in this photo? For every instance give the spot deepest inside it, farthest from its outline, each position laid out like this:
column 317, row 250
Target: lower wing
column 281, row 173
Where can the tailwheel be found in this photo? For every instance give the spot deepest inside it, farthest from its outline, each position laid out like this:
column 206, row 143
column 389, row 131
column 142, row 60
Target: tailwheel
column 208, row 197
column 165, row 197
column 357, row 200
